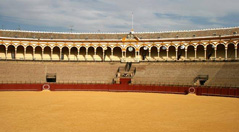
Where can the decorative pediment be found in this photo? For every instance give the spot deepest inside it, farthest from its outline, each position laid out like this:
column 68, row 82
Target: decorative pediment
column 130, row 37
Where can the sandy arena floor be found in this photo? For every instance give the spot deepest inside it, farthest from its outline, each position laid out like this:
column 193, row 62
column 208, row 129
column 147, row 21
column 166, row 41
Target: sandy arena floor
column 116, row 112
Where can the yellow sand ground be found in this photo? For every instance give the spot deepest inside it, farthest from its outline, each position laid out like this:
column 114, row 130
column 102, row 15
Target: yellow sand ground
column 116, row 112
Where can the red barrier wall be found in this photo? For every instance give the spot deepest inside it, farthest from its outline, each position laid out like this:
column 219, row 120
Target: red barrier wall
column 124, row 87
column 20, row 87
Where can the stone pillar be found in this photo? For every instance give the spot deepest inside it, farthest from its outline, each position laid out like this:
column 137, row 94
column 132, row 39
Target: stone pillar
column 205, row 53
column 6, row 53
column 167, row 53
column 215, row 52
column 158, row 52
column 42, row 54
column 135, row 56
column 78, row 54
column 195, row 57
column 149, row 53
column 236, row 52
column 33, row 54
column 51, row 53
column 86, row 51
column 103, row 58
column 186, row 54
column 95, row 51
column 176, row 53
column 15, row 53
column 60, row 54
column 112, row 52
column 69, row 54
column 225, row 53
column 24, row 53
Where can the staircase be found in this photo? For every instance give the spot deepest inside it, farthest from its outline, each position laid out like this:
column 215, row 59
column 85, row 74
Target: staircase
column 126, row 72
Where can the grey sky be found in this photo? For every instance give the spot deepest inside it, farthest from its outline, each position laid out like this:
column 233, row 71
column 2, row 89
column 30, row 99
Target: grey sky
column 115, row 16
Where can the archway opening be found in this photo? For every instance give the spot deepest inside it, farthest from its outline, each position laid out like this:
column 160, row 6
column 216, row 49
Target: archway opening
column 2, row 52
column 107, row 54
column 117, row 54
column 181, row 53
column 191, row 53
column 144, row 52
column 20, row 52
column 200, row 52
column 29, row 53
column 56, row 53
column 154, row 52
column 231, row 52
column 47, row 53
column 220, row 52
column 38, row 53
column 210, row 51
column 91, row 52
column 99, row 54
column 65, row 53
column 130, row 52
column 73, row 55
column 82, row 54
column 172, row 53
column 163, row 52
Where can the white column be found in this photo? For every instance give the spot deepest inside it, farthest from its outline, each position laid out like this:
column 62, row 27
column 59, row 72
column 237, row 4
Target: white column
column 78, row 53
column 112, row 52
column 205, row 53
column 33, row 53
column 195, row 56
column 186, row 54
column 158, row 52
column 215, row 52
column 6, row 54
column 149, row 53
column 135, row 54
column 60, row 54
column 103, row 58
column 86, row 52
column 42, row 54
column 236, row 52
column 225, row 53
column 176, row 53
column 69, row 54
column 24, row 53
column 15, row 53
column 51, row 53
column 94, row 51
column 167, row 53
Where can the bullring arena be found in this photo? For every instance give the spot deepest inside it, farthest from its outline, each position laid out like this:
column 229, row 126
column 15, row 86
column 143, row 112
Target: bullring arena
column 132, row 81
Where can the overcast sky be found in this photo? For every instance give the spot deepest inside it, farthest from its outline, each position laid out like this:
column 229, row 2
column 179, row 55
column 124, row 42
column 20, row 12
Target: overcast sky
column 115, row 15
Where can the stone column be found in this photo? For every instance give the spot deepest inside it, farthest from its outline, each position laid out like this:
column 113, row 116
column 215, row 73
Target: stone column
column 225, row 53
column 15, row 53
column 186, row 54
column 149, row 53
column 24, row 53
column 236, row 52
column 95, row 51
column 51, row 53
column 167, row 53
column 69, row 54
column 78, row 54
column 6, row 53
column 86, row 51
column 33, row 53
column 42, row 54
column 215, row 50
column 205, row 53
column 103, row 58
column 112, row 52
column 195, row 56
column 176, row 53
column 158, row 52
column 60, row 54
column 135, row 56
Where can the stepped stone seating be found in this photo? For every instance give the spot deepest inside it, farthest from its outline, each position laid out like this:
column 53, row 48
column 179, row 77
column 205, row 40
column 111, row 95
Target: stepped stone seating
column 35, row 72
column 220, row 73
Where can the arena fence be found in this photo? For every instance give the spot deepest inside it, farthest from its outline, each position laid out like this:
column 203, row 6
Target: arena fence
column 123, row 87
